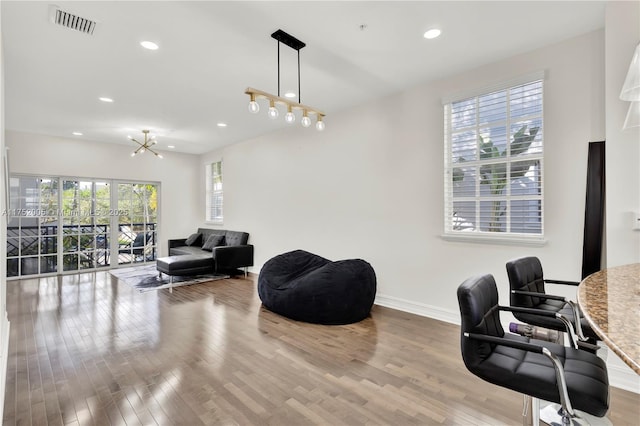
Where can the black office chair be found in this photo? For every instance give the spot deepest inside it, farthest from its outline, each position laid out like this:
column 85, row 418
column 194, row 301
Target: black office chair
column 526, row 283
column 574, row 378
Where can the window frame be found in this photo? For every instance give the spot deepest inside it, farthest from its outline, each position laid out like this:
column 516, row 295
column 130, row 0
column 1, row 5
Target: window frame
column 212, row 193
column 68, row 226
column 485, row 236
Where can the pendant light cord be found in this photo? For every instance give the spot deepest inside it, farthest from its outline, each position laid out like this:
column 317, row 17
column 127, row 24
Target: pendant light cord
column 299, row 95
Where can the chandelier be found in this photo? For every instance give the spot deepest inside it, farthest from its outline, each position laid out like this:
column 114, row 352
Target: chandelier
column 273, row 113
column 146, row 145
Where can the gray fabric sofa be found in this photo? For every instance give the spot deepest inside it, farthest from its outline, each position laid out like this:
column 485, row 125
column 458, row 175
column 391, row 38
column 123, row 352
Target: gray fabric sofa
column 233, row 251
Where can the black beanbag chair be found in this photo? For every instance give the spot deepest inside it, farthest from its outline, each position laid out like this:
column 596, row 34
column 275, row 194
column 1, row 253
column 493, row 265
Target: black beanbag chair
column 306, row 287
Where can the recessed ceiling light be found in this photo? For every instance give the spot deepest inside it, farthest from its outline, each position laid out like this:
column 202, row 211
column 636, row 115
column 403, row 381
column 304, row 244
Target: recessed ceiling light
column 432, row 33
column 149, row 45
column 77, row 134
column 222, row 124
column 171, row 146
column 290, row 95
column 103, row 99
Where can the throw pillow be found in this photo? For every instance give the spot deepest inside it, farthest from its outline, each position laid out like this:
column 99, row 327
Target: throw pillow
column 192, row 240
column 214, row 240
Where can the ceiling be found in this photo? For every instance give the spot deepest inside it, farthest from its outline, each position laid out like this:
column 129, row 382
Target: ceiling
column 210, row 52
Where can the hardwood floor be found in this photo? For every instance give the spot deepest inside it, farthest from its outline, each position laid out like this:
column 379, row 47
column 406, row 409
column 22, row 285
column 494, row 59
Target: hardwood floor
column 87, row 349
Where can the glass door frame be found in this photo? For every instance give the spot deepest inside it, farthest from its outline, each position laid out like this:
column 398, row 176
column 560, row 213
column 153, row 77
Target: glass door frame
column 114, row 225
column 127, row 244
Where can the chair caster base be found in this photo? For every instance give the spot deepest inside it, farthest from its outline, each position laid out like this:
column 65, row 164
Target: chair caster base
column 550, row 415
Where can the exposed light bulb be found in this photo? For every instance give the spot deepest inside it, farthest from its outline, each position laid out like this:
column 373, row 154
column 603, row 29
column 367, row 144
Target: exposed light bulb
column 306, row 121
column 289, row 117
column 253, row 105
column 320, row 124
column 273, row 111
column 159, row 156
column 133, row 154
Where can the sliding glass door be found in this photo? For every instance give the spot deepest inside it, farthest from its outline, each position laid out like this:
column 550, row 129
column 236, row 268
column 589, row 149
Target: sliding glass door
column 137, row 221
column 32, row 226
column 86, row 224
column 57, row 225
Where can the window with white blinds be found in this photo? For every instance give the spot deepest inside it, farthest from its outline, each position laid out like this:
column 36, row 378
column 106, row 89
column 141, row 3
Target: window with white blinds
column 214, row 192
column 493, row 163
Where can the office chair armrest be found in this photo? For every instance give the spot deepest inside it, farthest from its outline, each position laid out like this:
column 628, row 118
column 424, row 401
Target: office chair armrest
column 530, row 311
column 567, row 324
column 529, row 347
column 541, row 295
column 573, row 283
column 577, row 320
column 588, row 346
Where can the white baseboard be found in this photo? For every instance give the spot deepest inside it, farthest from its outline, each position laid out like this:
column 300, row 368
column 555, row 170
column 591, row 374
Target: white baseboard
column 421, row 309
column 623, row 377
column 619, row 376
column 4, row 355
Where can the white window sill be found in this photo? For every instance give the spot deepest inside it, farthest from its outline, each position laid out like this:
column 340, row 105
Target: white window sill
column 509, row 240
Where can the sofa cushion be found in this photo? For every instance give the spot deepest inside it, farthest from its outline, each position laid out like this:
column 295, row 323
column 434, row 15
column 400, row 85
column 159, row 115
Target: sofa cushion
column 177, row 251
column 236, row 238
column 214, row 240
column 185, row 265
column 194, row 239
column 232, row 238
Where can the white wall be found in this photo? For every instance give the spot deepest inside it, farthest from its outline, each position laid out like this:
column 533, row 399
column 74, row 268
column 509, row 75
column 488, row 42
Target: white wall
column 371, row 185
column 622, row 35
column 177, row 173
column 4, row 322
column 623, row 146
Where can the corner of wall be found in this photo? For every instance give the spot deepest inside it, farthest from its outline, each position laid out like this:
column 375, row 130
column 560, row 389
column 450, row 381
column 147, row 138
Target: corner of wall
column 4, row 322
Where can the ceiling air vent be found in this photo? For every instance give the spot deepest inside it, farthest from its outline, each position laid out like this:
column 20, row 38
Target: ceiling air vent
column 71, row 21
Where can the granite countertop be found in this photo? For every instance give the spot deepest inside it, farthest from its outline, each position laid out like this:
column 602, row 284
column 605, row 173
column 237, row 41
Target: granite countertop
column 610, row 301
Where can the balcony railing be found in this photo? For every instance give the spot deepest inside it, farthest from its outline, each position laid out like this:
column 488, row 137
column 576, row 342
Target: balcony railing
column 33, row 250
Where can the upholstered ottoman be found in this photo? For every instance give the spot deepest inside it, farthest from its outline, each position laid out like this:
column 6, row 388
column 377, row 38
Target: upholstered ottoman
column 306, row 287
column 189, row 264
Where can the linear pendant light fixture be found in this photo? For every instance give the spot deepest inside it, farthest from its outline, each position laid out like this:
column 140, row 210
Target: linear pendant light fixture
column 146, row 145
column 291, row 105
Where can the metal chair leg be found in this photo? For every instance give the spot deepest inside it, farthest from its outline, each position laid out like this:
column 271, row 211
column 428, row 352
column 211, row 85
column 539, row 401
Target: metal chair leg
column 535, row 411
column 526, row 411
